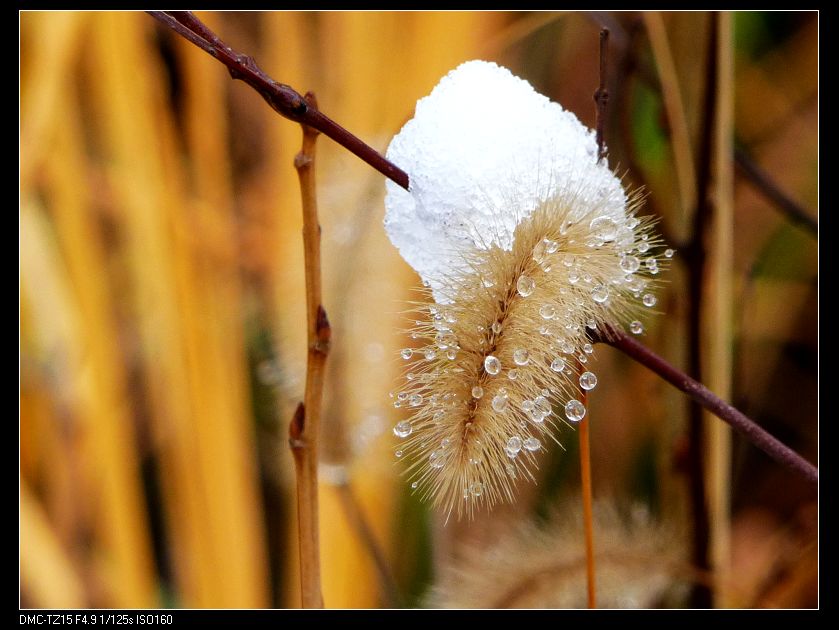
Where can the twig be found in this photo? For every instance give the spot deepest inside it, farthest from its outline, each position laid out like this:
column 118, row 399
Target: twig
column 764, row 184
column 588, row 513
column 601, row 96
column 305, row 426
column 744, row 425
column 355, row 514
column 283, row 99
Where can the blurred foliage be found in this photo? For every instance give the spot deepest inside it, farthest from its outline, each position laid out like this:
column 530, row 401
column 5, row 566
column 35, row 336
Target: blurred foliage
column 162, row 325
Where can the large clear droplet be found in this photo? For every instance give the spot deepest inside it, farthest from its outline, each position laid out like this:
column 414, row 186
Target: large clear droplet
column 575, row 410
column 513, row 446
column 547, row 311
column 492, row 365
column 476, row 489
column 630, row 264
column 668, row 253
column 532, row 444
column 436, row 459
column 551, row 246
column 402, row 429
column 477, row 391
column 600, row 293
column 415, row 400
column 525, row 285
column 558, row 364
column 588, row 380
column 521, row 356
column 649, row 299
column 406, row 353
column 499, row 403
column 604, row 228
column 636, row 327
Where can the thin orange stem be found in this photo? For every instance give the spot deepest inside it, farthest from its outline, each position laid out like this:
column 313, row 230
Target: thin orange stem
column 588, row 517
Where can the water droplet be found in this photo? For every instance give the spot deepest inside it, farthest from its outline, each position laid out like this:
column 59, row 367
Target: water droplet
column 532, row 444
column 429, row 354
column 575, row 410
column 451, row 354
column 496, row 327
column 525, row 285
column 399, row 453
column 566, row 347
column 415, row 484
column 633, row 223
column 511, row 470
column 527, row 405
column 415, row 400
column 573, row 276
column 539, row 252
column 445, row 339
column 476, row 489
column 488, row 283
column 547, row 311
column 492, row 365
column 521, row 356
column 591, row 324
column 410, row 376
column 406, row 353
column 513, row 374
column 477, row 391
column 600, row 293
column 568, row 261
column 649, row 299
column 438, row 415
column 558, row 364
column 551, row 246
column 636, row 327
column 668, row 253
column 582, row 358
column 402, row 396
column 436, row 459
column 513, row 446
column 444, row 443
column 630, row 264
column 402, row 429
column 643, row 247
column 499, row 403
column 604, row 228
column 588, row 380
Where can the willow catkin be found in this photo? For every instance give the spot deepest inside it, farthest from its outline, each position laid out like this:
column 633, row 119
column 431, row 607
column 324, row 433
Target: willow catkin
column 523, row 242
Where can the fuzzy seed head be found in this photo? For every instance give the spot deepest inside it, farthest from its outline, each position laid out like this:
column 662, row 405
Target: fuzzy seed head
column 501, row 348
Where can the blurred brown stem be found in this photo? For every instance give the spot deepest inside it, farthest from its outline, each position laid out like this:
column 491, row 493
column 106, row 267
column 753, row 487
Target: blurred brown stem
column 305, row 426
column 601, row 96
column 283, row 99
column 700, row 394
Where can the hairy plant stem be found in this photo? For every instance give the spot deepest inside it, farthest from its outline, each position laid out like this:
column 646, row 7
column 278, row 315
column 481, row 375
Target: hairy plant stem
column 304, row 429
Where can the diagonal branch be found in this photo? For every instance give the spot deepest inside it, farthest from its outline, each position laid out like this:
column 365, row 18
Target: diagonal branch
column 282, row 98
column 700, row 394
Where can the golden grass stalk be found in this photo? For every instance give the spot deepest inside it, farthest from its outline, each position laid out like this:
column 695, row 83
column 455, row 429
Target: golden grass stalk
column 588, row 515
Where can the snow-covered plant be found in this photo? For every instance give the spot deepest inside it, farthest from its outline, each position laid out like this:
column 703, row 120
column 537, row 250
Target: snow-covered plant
column 523, row 239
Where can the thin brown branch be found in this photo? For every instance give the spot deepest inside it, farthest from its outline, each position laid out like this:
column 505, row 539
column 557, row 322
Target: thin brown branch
column 283, row 99
column 601, row 96
column 770, row 190
column 588, row 512
column 305, row 426
column 704, row 397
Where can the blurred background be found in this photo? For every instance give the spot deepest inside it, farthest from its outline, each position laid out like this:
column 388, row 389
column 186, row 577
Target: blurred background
column 162, row 317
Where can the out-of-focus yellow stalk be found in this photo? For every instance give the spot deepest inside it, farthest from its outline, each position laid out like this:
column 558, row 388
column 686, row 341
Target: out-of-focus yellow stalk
column 203, row 436
column 718, row 316
column 46, row 573
column 107, row 423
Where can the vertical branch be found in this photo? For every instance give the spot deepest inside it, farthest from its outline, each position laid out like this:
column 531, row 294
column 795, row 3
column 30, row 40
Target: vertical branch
column 601, row 96
column 305, row 425
column 696, row 262
column 588, row 515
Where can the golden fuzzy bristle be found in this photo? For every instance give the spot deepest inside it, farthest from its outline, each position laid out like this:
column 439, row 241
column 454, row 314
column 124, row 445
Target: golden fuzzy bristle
column 495, row 361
